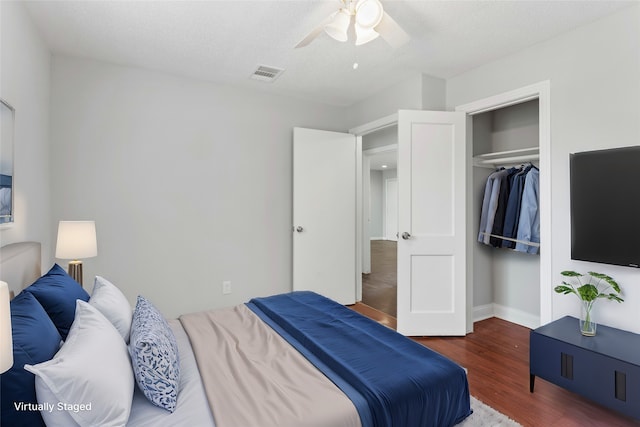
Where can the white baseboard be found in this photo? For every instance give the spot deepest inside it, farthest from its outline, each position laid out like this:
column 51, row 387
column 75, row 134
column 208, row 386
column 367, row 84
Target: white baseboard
column 377, row 238
column 483, row 312
column 509, row 314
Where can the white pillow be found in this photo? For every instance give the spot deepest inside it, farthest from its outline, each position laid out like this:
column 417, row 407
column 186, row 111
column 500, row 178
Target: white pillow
column 111, row 302
column 92, row 369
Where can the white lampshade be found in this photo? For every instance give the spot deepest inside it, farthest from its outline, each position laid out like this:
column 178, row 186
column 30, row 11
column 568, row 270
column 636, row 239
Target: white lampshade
column 369, row 13
column 339, row 26
column 76, row 240
column 365, row 35
column 6, row 343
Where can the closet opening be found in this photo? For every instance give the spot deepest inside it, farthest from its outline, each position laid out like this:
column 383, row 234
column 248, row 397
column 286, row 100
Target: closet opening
column 506, row 216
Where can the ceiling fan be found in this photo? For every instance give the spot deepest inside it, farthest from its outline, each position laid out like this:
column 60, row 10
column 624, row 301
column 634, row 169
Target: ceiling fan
column 369, row 21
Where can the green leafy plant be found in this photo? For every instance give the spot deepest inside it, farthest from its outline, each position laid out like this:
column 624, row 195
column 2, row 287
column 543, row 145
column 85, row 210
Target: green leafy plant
column 592, row 289
column 596, row 285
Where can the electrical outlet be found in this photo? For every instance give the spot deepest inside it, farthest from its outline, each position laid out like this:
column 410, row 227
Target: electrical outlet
column 226, row 287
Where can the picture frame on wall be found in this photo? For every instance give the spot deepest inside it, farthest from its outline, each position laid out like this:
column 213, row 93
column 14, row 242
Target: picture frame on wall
column 7, row 121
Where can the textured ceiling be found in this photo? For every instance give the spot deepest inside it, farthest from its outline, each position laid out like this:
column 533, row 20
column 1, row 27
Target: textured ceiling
column 224, row 41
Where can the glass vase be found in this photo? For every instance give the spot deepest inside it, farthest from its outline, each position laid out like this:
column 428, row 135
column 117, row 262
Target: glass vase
column 587, row 324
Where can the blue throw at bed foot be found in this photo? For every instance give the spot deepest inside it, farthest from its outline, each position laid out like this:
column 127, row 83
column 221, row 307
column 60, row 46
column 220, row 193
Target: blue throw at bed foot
column 401, row 382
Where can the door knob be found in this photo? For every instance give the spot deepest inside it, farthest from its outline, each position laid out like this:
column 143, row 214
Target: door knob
column 299, row 229
column 406, row 236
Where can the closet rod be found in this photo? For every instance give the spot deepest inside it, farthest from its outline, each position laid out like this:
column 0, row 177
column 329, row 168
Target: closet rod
column 524, row 242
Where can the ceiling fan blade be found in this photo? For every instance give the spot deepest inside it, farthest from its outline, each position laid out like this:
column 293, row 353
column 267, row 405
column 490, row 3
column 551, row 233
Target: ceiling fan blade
column 316, row 31
column 391, row 32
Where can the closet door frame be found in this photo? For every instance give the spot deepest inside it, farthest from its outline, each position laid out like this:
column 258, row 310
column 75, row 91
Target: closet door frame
column 540, row 91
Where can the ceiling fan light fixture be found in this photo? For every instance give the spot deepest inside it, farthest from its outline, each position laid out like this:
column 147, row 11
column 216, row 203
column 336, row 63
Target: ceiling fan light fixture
column 365, row 35
column 339, row 25
column 370, row 21
column 369, row 13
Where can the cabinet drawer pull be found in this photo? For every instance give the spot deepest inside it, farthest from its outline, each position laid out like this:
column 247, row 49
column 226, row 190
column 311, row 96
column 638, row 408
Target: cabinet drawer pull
column 566, row 366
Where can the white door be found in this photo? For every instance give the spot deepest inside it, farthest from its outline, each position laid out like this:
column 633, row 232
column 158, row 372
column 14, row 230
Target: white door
column 432, row 175
column 391, row 209
column 324, row 213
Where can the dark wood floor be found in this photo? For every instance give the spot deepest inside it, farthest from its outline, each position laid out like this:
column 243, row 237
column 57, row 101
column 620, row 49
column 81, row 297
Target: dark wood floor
column 379, row 288
column 496, row 356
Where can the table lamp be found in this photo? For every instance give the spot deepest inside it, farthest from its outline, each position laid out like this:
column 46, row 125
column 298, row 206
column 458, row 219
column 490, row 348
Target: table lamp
column 76, row 240
column 6, row 342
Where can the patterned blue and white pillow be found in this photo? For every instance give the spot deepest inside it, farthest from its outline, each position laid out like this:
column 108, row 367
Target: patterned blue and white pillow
column 154, row 355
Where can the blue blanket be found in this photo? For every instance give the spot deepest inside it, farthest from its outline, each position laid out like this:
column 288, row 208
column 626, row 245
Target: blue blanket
column 392, row 380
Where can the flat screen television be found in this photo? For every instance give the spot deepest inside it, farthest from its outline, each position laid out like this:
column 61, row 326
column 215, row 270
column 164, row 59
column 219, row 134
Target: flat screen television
column 605, row 206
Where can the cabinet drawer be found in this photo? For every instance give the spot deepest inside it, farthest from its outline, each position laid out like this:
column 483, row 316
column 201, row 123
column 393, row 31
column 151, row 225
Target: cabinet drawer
column 616, row 384
column 555, row 361
column 611, row 382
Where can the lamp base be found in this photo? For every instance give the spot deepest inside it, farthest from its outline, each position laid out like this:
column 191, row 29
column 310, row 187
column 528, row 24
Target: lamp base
column 75, row 271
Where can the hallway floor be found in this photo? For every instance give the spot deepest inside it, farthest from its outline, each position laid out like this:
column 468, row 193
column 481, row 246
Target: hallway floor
column 379, row 288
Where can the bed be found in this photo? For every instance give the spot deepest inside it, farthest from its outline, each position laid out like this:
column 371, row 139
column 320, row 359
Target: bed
column 296, row 359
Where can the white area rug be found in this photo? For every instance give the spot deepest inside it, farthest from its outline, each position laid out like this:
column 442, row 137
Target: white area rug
column 485, row 416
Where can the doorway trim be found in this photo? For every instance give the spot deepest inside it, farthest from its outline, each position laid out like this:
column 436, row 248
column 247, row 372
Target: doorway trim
column 376, row 125
column 542, row 92
column 359, row 132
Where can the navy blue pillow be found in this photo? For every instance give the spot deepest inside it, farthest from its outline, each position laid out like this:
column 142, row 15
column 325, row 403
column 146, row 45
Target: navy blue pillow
column 57, row 292
column 35, row 340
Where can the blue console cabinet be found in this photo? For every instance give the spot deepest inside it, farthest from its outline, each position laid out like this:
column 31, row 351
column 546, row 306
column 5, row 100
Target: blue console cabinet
column 604, row 368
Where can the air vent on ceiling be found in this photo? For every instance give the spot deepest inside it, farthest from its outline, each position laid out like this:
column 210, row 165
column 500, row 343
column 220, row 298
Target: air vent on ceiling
column 266, row 74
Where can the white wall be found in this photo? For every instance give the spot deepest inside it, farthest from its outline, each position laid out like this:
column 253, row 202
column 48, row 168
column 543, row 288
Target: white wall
column 376, row 204
column 389, row 207
column 389, row 174
column 405, row 95
column 421, row 92
column 190, row 183
column 515, row 127
column 377, row 201
column 434, row 93
column 595, row 103
column 25, row 84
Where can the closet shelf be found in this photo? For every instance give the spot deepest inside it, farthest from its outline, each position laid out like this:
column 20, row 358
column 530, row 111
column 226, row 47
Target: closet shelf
column 511, row 157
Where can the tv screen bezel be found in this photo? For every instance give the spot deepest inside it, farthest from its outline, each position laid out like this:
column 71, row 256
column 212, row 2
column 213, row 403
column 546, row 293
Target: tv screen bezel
column 581, row 255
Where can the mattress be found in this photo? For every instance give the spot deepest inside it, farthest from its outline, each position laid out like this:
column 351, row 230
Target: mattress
column 300, row 359
column 192, row 408
column 253, row 377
